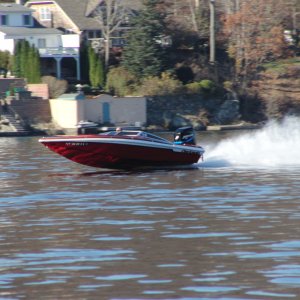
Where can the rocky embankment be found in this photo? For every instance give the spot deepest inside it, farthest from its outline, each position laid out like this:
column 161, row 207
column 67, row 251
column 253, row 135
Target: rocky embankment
column 274, row 94
column 170, row 112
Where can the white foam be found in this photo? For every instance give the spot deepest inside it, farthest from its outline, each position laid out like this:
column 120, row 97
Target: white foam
column 276, row 145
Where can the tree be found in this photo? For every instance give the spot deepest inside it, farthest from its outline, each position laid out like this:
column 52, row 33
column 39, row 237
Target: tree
column 96, row 69
column 143, row 55
column 255, row 34
column 120, row 82
column 17, row 60
column 100, row 73
column 5, row 62
column 24, row 63
column 110, row 15
column 84, row 58
column 190, row 15
column 33, row 73
column 27, row 62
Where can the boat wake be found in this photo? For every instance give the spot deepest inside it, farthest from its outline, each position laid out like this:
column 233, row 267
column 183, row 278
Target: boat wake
column 276, row 145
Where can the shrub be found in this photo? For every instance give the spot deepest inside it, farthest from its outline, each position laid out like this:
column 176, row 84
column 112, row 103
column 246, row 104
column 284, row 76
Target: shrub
column 56, row 86
column 163, row 85
column 228, row 85
column 205, row 86
column 193, row 88
column 120, row 82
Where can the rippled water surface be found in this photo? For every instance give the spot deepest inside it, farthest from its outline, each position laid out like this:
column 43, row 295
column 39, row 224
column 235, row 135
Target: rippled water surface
column 225, row 228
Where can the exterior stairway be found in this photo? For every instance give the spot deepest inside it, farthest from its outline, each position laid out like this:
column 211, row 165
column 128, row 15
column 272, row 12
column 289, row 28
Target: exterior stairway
column 15, row 126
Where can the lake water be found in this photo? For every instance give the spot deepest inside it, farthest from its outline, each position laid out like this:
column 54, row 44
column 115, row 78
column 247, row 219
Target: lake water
column 225, row 228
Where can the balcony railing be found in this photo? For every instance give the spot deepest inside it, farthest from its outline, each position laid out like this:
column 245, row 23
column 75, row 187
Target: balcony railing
column 59, row 52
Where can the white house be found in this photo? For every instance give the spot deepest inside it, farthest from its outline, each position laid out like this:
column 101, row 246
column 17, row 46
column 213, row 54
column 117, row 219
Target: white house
column 41, row 38
column 17, row 23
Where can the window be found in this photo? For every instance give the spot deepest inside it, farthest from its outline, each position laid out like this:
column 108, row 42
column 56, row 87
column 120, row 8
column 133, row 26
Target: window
column 90, row 34
column 98, row 34
column 41, row 43
column 3, row 20
column 45, row 14
column 94, row 34
column 26, row 20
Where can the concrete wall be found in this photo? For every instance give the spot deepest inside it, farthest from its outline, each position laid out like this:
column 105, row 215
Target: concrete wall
column 93, row 110
column 128, row 110
column 67, row 113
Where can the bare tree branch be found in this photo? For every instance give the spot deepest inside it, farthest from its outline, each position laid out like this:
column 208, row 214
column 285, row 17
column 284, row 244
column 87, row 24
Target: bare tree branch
column 110, row 15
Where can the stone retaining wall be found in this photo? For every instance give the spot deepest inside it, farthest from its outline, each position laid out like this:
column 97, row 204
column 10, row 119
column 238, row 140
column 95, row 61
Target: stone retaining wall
column 175, row 111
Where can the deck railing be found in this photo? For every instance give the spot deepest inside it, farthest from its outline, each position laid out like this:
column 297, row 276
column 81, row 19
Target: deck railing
column 59, row 52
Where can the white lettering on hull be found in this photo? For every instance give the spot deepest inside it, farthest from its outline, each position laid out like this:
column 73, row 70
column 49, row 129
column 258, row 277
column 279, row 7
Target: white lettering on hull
column 76, row 144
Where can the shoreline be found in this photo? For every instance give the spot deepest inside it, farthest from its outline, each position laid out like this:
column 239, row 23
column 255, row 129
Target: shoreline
column 208, row 129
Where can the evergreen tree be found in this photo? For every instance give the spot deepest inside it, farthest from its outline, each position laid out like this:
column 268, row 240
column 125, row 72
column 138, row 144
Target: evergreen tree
column 92, row 66
column 100, row 72
column 27, row 62
column 96, row 69
column 35, row 73
column 84, row 58
column 24, row 55
column 17, row 60
column 144, row 56
column 29, row 71
column 38, row 66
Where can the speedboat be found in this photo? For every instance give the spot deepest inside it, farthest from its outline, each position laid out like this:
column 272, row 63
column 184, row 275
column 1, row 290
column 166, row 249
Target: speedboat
column 125, row 149
column 86, row 124
column 87, row 127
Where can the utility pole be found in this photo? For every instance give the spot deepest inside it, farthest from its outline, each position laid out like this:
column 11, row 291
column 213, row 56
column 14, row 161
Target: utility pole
column 212, row 39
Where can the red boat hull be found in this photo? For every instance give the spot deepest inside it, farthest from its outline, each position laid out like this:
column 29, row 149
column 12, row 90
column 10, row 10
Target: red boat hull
column 111, row 155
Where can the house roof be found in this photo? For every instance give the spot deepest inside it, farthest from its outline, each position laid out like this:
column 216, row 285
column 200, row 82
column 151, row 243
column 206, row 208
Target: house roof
column 12, row 30
column 13, row 7
column 77, row 11
column 91, row 5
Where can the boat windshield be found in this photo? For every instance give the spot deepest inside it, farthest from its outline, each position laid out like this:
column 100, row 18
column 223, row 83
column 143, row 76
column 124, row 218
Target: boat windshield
column 137, row 133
